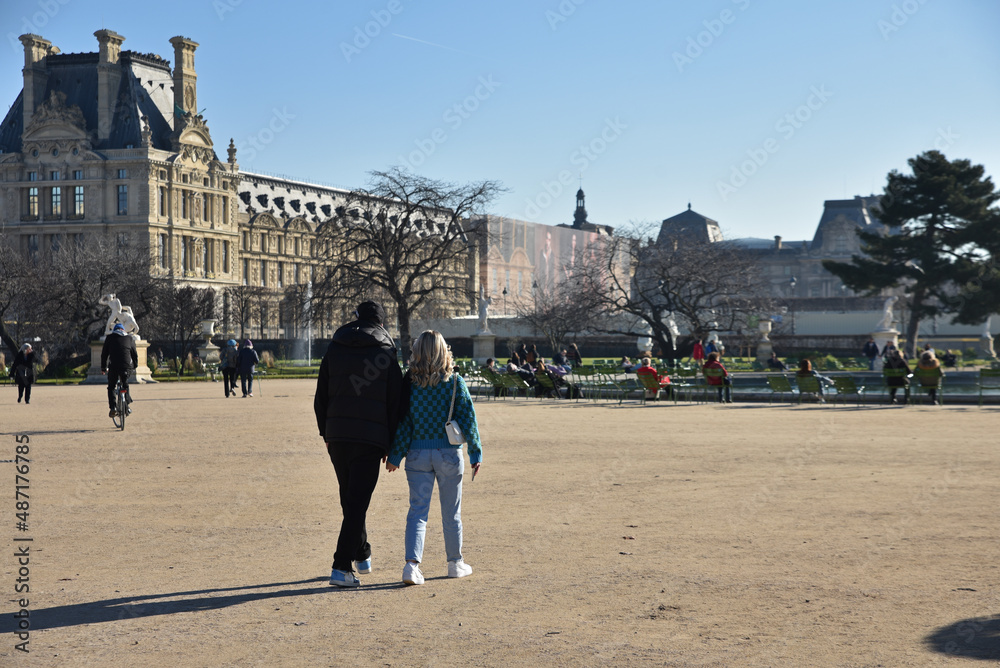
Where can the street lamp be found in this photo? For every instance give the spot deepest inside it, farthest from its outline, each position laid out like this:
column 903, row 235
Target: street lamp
column 504, row 293
column 791, row 284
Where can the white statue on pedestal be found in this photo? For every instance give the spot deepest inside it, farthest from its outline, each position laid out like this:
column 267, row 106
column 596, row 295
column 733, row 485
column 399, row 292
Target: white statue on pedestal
column 886, row 322
column 119, row 313
column 484, row 311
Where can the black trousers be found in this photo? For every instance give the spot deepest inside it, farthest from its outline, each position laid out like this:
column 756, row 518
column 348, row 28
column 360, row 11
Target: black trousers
column 229, row 380
column 357, row 466
column 23, row 389
column 113, row 376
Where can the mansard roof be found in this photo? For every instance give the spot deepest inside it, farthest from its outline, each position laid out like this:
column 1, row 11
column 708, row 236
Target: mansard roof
column 839, row 215
column 145, row 89
column 689, row 226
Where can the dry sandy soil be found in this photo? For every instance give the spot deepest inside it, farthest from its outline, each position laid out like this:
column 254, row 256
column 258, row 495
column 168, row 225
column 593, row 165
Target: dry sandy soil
column 661, row 535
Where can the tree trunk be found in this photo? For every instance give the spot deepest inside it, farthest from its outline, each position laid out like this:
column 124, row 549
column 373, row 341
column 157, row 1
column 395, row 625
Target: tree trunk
column 405, row 340
column 911, row 333
column 7, row 339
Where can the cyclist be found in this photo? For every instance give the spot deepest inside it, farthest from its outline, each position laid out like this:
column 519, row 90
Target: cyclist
column 118, row 359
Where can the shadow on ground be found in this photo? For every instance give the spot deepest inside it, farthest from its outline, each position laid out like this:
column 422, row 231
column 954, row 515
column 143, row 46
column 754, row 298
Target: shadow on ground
column 152, row 605
column 974, row 638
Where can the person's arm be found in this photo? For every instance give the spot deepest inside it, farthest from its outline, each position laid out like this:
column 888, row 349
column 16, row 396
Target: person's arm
column 465, row 415
column 322, row 393
column 400, row 443
column 104, row 356
column 133, row 353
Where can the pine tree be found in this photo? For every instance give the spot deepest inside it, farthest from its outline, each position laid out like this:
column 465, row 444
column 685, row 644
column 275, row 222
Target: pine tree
column 932, row 217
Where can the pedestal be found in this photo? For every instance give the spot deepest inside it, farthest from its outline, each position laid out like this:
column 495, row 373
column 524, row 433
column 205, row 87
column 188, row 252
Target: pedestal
column 764, row 350
column 209, row 353
column 882, row 337
column 483, row 346
column 140, row 375
column 986, row 347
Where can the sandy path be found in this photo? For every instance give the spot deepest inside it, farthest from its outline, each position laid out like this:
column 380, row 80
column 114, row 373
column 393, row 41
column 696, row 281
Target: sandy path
column 743, row 535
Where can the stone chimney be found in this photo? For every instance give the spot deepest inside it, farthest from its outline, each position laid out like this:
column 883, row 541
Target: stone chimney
column 35, row 76
column 185, row 79
column 777, row 242
column 109, row 75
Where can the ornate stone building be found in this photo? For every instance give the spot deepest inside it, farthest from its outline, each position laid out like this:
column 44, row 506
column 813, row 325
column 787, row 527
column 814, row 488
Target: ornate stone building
column 111, row 143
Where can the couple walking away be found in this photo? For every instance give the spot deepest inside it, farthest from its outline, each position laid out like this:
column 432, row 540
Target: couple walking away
column 369, row 413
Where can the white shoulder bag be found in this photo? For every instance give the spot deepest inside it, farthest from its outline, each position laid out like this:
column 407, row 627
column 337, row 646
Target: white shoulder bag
column 455, row 435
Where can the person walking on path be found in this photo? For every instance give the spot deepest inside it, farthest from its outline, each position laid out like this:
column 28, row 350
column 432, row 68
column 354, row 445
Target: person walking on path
column 698, row 352
column 247, row 360
column 22, row 370
column 430, row 454
column 229, row 363
column 357, row 406
column 118, row 359
column 870, row 350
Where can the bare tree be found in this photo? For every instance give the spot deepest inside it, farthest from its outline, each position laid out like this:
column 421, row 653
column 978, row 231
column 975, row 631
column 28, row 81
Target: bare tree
column 554, row 313
column 179, row 311
column 402, row 240
column 68, row 280
column 244, row 305
column 642, row 289
column 16, row 277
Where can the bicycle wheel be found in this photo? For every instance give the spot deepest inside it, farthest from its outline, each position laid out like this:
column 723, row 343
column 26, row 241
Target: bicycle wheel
column 119, row 419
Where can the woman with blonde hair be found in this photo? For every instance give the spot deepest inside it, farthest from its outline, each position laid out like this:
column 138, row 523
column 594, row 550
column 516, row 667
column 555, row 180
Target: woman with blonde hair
column 435, row 393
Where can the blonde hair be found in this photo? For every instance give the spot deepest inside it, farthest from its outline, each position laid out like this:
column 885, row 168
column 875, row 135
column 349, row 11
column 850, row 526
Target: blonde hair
column 431, row 360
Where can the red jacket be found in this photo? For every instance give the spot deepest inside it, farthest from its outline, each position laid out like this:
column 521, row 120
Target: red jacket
column 664, row 380
column 699, row 351
column 715, row 365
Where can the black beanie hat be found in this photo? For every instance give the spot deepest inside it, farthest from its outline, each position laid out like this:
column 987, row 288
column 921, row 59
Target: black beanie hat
column 371, row 311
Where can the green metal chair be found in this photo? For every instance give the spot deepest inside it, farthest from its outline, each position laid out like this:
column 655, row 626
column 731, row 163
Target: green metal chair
column 685, row 382
column 718, row 389
column 809, row 385
column 545, row 386
column 989, row 379
column 889, row 382
column 512, row 381
column 931, row 381
column 779, row 385
column 846, row 385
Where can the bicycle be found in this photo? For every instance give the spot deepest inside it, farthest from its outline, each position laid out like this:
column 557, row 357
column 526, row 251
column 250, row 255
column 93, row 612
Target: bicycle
column 121, row 406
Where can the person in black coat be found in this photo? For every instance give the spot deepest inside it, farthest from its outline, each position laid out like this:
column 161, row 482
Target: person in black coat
column 118, row 359
column 247, row 361
column 358, row 405
column 22, row 370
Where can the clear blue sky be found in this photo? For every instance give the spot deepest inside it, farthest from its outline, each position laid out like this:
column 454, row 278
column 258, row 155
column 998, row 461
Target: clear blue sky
column 670, row 97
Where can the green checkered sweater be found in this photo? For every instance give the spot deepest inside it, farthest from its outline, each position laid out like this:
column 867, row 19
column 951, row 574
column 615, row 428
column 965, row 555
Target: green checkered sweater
column 422, row 428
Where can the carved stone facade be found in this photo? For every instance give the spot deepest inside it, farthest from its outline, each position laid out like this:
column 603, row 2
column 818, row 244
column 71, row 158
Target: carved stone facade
column 102, row 143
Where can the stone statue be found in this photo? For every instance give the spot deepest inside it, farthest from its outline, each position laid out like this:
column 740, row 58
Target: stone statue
column 886, row 322
column 484, row 310
column 119, row 313
column 986, row 328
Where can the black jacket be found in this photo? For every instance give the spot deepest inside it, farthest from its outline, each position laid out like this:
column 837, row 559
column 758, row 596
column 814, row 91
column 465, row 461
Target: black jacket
column 359, row 387
column 22, row 369
column 118, row 353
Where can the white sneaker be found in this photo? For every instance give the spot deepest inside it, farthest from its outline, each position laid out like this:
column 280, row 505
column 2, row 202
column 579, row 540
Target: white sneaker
column 458, row 569
column 412, row 574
